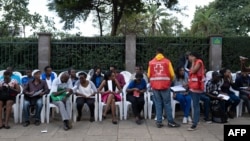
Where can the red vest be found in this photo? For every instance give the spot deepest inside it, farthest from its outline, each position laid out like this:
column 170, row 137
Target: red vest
column 196, row 80
column 159, row 74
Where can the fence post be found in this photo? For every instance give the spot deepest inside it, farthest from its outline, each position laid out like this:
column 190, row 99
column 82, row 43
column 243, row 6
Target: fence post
column 44, row 50
column 130, row 52
column 215, row 52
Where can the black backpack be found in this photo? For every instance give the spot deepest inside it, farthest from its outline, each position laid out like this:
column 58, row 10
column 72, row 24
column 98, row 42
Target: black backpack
column 218, row 115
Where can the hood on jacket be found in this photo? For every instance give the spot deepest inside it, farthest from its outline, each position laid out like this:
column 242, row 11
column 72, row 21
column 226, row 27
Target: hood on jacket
column 159, row 56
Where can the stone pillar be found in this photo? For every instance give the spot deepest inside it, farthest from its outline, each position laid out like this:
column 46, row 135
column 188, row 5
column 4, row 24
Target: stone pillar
column 44, row 50
column 215, row 52
column 130, row 52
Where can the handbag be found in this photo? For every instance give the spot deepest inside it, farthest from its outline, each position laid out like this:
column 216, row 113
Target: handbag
column 5, row 93
column 58, row 97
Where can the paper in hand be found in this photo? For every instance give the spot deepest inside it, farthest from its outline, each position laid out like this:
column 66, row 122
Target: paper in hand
column 37, row 93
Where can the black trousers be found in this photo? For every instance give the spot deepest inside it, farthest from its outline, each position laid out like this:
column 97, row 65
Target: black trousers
column 137, row 103
column 80, row 101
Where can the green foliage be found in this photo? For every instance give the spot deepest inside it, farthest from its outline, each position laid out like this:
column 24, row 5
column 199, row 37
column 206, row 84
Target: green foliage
column 227, row 17
column 20, row 53
column 85, row 53
column 70, row 11
column 233, row 47
column 173, row 47
column 16, row 16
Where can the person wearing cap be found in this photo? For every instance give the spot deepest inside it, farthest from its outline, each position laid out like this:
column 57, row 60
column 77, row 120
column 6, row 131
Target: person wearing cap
column 135, row 94
column 242, row 81
column 33, row 93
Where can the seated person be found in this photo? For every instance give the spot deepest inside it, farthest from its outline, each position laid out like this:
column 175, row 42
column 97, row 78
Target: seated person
column 9, row 88
column 13, row 76
column 29, row 77
column 110, row 96
column 48, row 76
column 225, row 89
column 135, row 94
column 213, row 89
column 60, row 91
column 33, row 93
column 243, row 80
column 183, row 97
column 138, row 69
column 97, row 77
column 85, row 91
column 73, row 77
column 120, row 78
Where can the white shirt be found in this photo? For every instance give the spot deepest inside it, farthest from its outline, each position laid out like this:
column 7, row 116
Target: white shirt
column 87, row 91
column 49, row 83
column 57, row 83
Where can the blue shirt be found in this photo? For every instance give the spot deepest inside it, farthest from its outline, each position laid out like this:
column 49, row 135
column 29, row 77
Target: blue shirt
column 141, row 85
column 25, row 80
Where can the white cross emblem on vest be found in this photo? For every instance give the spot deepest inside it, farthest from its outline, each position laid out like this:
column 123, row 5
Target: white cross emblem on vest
column 158, row 68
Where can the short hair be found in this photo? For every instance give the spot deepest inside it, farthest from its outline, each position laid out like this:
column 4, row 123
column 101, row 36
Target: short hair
column 139, row 75
column 45, row 69
column 159, row 50
column 82, row 73
column 113, row 66
column 7, row 72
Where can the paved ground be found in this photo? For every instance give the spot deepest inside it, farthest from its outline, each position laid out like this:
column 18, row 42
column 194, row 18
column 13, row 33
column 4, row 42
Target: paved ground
column 124, row 131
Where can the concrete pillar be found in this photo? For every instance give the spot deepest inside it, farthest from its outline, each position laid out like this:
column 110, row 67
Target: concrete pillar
column 44, row 50
column 130, row 52
column 215, row 52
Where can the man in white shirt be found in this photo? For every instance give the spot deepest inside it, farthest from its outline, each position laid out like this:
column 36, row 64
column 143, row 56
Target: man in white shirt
column 60, row 91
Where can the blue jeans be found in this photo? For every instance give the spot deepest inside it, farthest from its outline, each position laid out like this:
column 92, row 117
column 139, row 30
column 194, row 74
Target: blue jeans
column 185, row 102
column 38, row 109
column 206, row 101
column 196, row 106
column 163, row 98
column 233, row 100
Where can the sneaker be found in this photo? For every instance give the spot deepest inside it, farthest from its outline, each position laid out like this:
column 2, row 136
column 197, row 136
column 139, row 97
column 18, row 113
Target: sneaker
column 173, row 124
column 138, row 122
column 190, row 121
column 26, row 123
column 37, row 122
column 156, row 118
column 185, row 120
column 208, row 121
column 192, row 128
column 159, row 125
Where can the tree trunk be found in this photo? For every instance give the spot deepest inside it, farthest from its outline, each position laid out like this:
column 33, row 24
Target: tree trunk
column 99, row 21
column 116, row 16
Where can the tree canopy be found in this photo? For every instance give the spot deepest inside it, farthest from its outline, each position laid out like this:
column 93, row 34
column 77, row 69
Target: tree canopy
column 227, row 17
column 70, row 11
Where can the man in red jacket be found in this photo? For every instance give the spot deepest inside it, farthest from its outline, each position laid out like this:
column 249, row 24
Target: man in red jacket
column 161, row 74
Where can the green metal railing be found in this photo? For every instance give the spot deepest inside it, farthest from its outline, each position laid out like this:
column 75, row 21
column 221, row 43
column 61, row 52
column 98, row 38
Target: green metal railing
column 18, row 53
column 85, row 53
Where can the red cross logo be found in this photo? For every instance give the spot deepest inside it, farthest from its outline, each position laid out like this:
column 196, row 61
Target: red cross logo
column 158, row 68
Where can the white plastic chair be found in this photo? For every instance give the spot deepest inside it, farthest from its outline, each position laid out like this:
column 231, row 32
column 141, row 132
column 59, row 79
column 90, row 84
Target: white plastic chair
column 15, row 107
column 127, row 104
column 1, row 72
column 75, row 113
column 126, row 75
column 52, row 106
column 119, row 106
column 43, row 111
column 18, row 74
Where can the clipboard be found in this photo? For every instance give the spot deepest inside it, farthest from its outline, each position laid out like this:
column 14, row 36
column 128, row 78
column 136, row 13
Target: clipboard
column 110, row 85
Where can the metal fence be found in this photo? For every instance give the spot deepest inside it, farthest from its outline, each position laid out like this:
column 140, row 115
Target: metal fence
column 86, row 53
column 173, row 47
column 18, row 53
